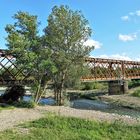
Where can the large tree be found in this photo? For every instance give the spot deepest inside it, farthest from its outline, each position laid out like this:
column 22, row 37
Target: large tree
column 31, row 54
column 65, row 35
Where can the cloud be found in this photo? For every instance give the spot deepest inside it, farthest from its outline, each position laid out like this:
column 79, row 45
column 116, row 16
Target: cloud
column 138, row 13
column 125, row 18
column 91, row 42
column 130, row 15
column 137, row 58
column 122, row 56
column 128, row 37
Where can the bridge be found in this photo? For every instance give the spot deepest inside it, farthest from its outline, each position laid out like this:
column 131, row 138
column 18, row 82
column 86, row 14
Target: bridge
column 10, row 73
column 116, row 72
column 100, row 70
column 111, row 70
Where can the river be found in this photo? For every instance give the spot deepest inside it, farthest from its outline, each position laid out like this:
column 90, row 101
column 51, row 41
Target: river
column 87, row 104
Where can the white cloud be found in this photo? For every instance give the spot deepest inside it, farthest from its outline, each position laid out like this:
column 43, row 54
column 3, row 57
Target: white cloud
column 137, row 58
column 131, row 13
column 91, row 42
column 122, row 56
column 116, row 57
column 129, row 37
column 125, row 18
column 138, row 13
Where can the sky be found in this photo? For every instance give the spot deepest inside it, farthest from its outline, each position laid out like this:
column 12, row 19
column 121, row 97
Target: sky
column 115, row 24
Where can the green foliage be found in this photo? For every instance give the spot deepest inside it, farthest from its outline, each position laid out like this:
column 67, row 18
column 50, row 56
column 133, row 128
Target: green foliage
column 93, row 85
column 90, row 85
column 13, row 93
column 61, row 128
column 24, row 104
column 6, row 107
column 57, row 55
column 136, row 93
column 133, row 83
column 32, row 55
column 74, row 76
column 65, row 34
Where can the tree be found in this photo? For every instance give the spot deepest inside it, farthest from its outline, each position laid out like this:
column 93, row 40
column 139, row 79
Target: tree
column 24, row 42
column 65, row 35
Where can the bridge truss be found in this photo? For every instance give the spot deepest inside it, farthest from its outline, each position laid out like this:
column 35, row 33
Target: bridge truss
column 109, row 69
column 100, row 70
column 10, row 72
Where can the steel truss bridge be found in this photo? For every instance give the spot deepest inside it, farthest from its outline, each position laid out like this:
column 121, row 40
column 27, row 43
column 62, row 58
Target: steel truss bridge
column 10, row 73
column 111, row 70
column 100, row 70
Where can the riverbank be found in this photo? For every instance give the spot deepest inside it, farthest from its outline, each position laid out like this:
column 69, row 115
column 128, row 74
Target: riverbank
column 11, row 118
column 56, row 127
column 124, row 100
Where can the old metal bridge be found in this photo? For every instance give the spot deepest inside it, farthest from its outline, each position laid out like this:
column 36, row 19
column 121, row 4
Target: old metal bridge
column 100, row 69
column 110, row 69
column 10, row 72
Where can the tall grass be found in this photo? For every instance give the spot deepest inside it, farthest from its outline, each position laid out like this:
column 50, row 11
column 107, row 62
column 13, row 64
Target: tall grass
column 66, row 128
column 136, row 93
column 6, row 107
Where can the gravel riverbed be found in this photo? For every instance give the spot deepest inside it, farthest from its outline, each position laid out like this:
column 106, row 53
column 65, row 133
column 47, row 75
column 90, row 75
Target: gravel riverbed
column 11, row 118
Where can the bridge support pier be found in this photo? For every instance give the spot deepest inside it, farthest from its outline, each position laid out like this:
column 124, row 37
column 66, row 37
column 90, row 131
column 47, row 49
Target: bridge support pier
column 117, row 87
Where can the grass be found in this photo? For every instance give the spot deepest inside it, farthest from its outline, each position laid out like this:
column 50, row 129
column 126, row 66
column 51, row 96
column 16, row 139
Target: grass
column 136, row 93
column 21, row 104
column 24, row 104
column 55, row 127
column 6, row 107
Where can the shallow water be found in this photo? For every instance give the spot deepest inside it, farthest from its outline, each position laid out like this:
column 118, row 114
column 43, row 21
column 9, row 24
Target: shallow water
column 104, row 107
column 45, row 101
column 90, row 105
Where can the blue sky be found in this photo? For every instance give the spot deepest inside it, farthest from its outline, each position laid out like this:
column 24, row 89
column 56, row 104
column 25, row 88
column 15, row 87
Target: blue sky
column 115, row 23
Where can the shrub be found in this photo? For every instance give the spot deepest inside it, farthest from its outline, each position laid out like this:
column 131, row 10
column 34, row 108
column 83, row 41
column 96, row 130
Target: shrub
column 134, row 83
column 136, row 93
column 93, row 85
column 24, row 104
column 14, row 93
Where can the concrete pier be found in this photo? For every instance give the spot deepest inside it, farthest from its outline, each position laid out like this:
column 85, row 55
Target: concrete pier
column 117, row 87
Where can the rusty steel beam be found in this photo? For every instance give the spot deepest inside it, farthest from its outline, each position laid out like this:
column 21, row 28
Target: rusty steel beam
column 110, row 69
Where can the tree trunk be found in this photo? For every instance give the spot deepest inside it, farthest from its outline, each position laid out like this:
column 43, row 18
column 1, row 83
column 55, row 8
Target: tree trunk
column 60, row 89
column 40, row 90
column 37, row 93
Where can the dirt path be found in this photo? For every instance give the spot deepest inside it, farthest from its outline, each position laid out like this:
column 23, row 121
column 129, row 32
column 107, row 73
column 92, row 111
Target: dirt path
column 10, row 118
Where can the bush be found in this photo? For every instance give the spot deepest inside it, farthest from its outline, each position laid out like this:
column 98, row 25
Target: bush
column 90, row 85
column 24, row 104
column 136, row 93
column 93, row 85
column 12, row 94
column 134, row 83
